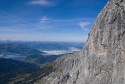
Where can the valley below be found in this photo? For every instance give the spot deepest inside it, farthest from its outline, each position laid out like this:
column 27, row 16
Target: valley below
column 18, row 60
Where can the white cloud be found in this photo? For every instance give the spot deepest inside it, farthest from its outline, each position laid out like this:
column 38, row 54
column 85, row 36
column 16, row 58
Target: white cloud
column 59, row 52
column 46, row 23
column 56, row 52
column 41, row 2
column 74, row 49
column 83, row 25
column 44, row 28
column 43, row 19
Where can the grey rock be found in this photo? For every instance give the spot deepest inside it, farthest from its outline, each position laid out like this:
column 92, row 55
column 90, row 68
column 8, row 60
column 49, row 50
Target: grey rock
column 102, row 60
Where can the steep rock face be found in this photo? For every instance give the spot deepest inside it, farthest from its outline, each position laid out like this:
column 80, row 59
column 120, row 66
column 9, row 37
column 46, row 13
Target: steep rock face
column 103, row 59
column 66, row 68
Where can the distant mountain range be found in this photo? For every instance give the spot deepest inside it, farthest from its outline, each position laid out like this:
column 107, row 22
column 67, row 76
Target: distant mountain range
column 36, row 52
column 27, row 59
column 25, row 54
column 46, row 45
column 19, row 49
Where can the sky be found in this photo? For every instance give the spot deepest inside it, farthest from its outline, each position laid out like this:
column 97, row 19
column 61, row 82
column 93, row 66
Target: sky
column 48, row 20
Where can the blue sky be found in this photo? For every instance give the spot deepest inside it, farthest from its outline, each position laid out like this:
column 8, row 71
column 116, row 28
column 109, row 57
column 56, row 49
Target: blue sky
column 48, row 20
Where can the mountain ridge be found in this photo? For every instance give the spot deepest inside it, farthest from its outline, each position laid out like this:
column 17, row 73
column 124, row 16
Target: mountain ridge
column 17, row 48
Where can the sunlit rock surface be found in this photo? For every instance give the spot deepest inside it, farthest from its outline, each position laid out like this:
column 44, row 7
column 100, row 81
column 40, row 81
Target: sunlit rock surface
column 102, row 61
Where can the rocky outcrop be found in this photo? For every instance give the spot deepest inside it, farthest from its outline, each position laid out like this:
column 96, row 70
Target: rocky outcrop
column 102, row 60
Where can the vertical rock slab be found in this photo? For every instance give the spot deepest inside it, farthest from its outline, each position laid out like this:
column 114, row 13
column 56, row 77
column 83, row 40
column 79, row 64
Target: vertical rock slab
column 102, row 61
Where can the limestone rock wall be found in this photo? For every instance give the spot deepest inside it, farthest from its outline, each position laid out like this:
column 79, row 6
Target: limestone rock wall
column 102, row 61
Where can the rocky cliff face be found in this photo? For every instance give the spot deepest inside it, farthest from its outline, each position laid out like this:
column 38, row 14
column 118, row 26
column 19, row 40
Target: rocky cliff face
column 102, row 61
